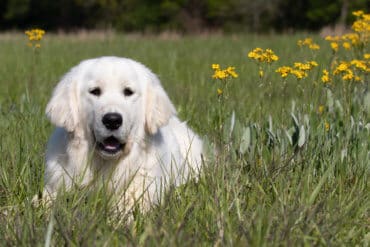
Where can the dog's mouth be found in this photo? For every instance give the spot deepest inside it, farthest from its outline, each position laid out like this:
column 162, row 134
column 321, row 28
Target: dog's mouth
column 110, row 147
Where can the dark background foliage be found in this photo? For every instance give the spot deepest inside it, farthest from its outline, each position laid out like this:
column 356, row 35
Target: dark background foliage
column 178, row 15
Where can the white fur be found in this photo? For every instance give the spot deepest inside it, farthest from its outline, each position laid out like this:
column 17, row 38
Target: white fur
column 159, row 149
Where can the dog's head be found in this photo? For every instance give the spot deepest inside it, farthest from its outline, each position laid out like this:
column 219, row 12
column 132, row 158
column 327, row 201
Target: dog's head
column 115, row 100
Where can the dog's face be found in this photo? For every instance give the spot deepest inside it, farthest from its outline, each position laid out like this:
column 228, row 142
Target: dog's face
column 115, row 101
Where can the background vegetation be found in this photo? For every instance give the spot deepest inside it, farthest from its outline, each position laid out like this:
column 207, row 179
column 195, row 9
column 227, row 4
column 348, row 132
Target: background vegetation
column 177, row 15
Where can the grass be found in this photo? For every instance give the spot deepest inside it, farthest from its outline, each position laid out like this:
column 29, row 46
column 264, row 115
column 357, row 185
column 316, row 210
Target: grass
column 270, row 193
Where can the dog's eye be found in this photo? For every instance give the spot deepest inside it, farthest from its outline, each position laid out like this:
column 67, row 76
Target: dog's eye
column 128, row 92
column 95, row 91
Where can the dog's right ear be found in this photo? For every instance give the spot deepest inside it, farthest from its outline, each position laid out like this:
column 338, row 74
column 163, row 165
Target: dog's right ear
column 62, row 109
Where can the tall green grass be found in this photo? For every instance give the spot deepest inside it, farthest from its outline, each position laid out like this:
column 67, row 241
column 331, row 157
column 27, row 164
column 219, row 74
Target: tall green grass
column 271, row 193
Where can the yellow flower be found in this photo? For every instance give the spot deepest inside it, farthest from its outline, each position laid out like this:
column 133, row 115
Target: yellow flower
column 215, row 66
column 223, row 74
column 306, row 41
column 261, row 55
column 325, row 77
column 314, row 63
column 34, row 35
column 361, row 26
column 220, row 74
column 367, row 55
column 219, row 91
column 358, row 13
column 327, row 126
column 357, row 78
column 348, row 75
column 353, row 37
column 309, row 43
column 305, row 66
column 284, row 71
column 260, row 72
column 334, row 46
column 366, row 17
column 342, row 67
column 300, row 74
column 346, row 45
column 360, row 64
column 231, row 71
column 321, row 109
column 332, row 38
column 314, row 47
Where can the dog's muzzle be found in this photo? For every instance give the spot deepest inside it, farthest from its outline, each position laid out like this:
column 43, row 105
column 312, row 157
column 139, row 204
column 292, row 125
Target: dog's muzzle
column 110, row 147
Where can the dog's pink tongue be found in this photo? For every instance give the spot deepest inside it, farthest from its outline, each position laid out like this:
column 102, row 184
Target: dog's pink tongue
column 111, row 144
column 110, row 147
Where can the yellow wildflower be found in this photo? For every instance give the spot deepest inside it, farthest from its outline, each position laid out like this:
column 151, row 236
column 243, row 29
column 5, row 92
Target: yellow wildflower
column 298, row 73
column 231, row 71
column 334, row 46
column 321, row 109
column 342, row 67
column 220, row 74
column 325, row 77
column 309, row 43
column 348, row 75
column 367, row 55
column 358, row 13
column 34, row 36
column 223, row 74
column 219, row 91
column 261, row 55
column 306, row 41
column 327, row 126
column 305, row 66
column 366, row 17
column 346, row 45
column 313, row 63
column 361, row 26
column 215, row 66
column 357, row 78
column 260, row 72
column 284, row 71
column 314, row 47
column 360, row 64
column 353, row 37
column 332, row 38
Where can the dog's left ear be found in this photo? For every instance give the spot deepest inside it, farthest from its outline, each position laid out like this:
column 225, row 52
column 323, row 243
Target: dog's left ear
column 159, row 108
column 62, row 109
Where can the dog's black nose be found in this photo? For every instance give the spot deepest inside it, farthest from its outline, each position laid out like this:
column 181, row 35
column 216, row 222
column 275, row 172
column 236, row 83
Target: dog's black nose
column 112, row 121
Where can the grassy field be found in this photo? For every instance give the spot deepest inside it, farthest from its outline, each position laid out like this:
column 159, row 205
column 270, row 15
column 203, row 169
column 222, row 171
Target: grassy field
column 292, row 169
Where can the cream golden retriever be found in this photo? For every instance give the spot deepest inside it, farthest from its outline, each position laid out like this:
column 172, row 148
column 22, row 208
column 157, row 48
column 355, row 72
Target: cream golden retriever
column 115, row 121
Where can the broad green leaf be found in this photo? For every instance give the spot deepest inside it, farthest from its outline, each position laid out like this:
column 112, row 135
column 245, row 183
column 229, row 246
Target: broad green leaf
column 302, row 137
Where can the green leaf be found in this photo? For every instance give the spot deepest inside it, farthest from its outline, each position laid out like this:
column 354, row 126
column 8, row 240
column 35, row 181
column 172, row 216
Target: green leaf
column 317, row 189
column 367, row 102
column 339, row 107
column 289, row 133
column 246, row 140
column 302, row 137
column 295, row 120
column 329, row 100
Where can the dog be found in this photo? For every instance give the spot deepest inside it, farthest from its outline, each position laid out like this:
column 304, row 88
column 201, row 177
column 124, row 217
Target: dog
column 115, row 121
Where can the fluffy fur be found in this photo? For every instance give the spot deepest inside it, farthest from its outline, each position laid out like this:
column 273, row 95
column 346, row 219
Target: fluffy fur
column 150, row 149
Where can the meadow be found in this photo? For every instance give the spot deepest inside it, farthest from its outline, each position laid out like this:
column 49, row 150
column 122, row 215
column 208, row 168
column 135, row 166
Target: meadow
column 288, row 161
